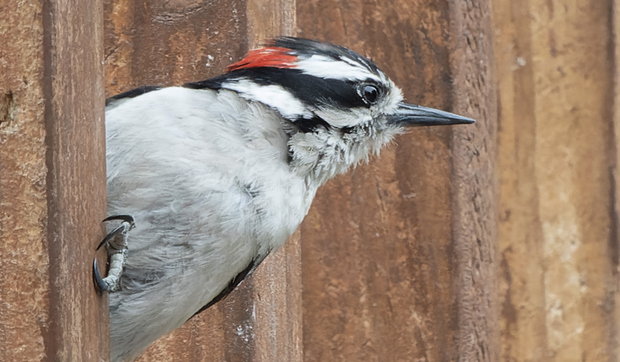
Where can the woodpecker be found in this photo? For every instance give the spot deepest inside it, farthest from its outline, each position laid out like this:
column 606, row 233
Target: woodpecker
column 205, row 180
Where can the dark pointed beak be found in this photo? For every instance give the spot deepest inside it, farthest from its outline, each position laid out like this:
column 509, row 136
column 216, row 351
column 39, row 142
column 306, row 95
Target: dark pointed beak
column 410, row 115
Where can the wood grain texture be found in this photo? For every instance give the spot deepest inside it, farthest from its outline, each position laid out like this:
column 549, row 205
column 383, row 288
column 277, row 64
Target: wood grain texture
column 614, row 240
column 399, row 256
column 170, row 42
column 473, row 181
column 558, row 226
column 23, row 185
column 52, row 180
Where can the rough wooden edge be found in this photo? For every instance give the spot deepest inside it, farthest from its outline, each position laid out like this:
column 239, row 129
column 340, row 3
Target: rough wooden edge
column 615, row 182
column 52, row 180
column 75, row 139
column 474, row 188
column 24, row 308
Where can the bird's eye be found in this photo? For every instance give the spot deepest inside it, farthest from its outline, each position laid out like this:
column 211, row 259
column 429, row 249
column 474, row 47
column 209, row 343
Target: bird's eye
column 369, row 93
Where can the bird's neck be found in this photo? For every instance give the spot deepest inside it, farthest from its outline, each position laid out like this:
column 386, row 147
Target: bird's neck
column 319, row 156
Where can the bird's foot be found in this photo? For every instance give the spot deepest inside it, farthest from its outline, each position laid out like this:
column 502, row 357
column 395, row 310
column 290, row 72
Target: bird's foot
column 116, row 243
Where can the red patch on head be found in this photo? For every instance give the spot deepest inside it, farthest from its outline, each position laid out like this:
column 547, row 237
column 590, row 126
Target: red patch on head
column 273, row 57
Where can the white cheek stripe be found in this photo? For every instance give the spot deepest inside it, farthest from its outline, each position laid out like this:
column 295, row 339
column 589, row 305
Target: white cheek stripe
column 324, row 67
column 272, row 95
column 345, row 118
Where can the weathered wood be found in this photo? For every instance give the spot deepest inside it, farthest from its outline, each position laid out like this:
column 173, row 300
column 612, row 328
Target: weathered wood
column 558, row 226
column 473, row 181
column 52, row 180
column 614, row 240
column 399, row 256
column 170, row 43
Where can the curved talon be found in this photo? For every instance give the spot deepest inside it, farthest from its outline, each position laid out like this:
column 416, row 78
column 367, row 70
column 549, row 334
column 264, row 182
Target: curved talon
column 119, row 230
column 117, row 253
column 126, row 218
column 98, row 279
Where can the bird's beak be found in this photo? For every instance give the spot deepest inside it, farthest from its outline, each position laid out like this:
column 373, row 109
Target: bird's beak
column 415, row 116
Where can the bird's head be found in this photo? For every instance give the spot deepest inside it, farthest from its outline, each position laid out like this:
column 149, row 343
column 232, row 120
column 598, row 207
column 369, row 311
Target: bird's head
column 337, row 106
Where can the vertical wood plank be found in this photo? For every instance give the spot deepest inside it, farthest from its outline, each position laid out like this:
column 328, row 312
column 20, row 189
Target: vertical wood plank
column 558, row 226
column 398, row 256
column 614, row 241
column 24, row 266
column 473, row 181
column 52, row 180
column 75, row 138
column 522, row 322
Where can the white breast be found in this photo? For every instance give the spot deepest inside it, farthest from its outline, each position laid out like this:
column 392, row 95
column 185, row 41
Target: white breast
column 205, row 175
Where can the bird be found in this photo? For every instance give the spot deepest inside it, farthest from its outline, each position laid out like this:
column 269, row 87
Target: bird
column 206, row 179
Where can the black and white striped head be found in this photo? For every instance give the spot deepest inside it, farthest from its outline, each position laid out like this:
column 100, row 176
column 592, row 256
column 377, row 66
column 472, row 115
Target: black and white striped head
column 339, row 105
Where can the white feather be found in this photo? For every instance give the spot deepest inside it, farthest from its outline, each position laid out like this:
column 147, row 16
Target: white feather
column 205, row 175
column 325, row 67
column 273, row 95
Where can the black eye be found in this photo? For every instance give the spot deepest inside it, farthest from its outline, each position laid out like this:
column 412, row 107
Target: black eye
column 369, row 93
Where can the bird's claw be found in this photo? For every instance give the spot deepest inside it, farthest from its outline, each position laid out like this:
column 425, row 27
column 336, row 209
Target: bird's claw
column 117, row 253
column 98, row 279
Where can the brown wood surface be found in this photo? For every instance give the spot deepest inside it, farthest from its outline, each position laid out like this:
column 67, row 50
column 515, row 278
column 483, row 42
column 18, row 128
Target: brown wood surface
column 52, row 180
column 614, row 345
column 558, row 237
column 398, row 256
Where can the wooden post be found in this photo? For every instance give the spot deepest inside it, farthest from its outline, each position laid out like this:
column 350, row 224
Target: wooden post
column 558, row 230
column 52, row 180
column 399, row 255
